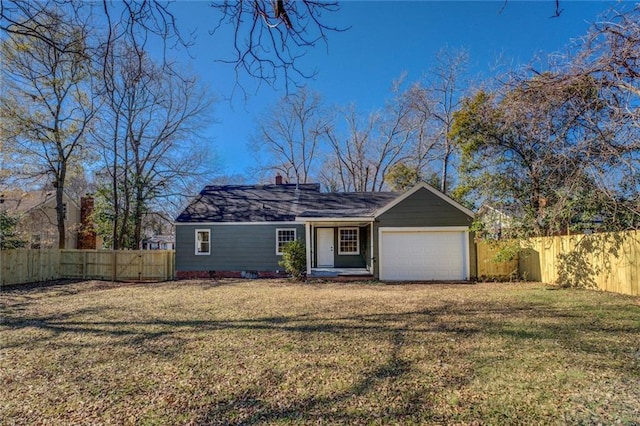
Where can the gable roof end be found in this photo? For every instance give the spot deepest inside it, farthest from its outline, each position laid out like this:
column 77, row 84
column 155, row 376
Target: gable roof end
column 416, row 188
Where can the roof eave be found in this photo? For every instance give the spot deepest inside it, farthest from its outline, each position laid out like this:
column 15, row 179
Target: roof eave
column 335, row 219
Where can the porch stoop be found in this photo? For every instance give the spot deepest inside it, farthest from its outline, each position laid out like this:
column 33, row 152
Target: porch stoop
column 340, row 274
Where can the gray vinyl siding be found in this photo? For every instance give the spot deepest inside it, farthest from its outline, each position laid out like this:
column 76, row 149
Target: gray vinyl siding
column 233, row 247
column 424, row 209
column 352, row 260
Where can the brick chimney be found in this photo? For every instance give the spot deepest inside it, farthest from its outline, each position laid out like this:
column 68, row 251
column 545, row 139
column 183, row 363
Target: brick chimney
column 87, row 233
column 278, row 179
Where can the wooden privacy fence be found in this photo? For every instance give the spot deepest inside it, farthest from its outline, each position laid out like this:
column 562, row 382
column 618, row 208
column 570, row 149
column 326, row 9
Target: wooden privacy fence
column 607, row 261
column 24, row 266
column 489, row 267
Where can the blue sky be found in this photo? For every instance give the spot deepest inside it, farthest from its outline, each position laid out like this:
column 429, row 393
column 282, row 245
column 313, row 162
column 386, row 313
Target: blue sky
column 385, row 40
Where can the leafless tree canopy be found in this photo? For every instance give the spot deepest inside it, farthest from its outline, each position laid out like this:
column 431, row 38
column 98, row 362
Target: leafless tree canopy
column 358, row 149
column 371, row 145
column 562, row 146
column 146, row 140
column 289, row 136
column 46, row 103
column 69, row 74
column 271, row 36
column 133, row 21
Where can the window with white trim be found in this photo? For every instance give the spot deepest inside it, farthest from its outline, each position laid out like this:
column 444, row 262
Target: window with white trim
column 349, row 241
column 283, row 236
column 203, row 241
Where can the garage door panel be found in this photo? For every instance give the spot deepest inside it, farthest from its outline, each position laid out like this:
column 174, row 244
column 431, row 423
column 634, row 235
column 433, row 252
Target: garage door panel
column 423, row 255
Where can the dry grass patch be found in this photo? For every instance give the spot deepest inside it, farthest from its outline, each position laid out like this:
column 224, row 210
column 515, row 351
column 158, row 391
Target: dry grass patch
column 273, row 352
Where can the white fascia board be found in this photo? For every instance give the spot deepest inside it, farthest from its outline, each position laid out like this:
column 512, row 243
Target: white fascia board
column 430, row 188
column 334, row 219
column 424, row 229
column 289, row 223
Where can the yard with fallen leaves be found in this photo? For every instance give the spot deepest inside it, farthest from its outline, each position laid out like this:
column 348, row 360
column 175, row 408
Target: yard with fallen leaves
column 274, row 352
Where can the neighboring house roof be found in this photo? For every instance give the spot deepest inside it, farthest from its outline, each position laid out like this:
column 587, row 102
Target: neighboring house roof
column 161, row 239
column 512, row 211
column 276, row 203
column 21, row 202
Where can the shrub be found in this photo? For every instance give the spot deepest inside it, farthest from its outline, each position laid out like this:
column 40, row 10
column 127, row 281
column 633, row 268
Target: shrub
column 294, row 259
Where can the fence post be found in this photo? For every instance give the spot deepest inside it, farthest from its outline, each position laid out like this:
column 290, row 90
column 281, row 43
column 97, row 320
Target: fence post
column 84, row 265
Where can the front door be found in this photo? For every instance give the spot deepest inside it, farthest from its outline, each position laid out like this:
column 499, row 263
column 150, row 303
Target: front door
column 325, row 247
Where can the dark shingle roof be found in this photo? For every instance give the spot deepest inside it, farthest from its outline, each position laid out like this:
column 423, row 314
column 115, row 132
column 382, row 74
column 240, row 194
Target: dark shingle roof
column 346, row 204
column 276, row 203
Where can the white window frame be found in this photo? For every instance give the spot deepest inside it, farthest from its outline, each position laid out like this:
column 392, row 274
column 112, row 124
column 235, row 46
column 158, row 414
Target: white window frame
column 278, row 230
column 340, row 251
column 198, row 242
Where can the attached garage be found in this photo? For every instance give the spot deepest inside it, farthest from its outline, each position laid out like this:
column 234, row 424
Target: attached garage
column 424, row 254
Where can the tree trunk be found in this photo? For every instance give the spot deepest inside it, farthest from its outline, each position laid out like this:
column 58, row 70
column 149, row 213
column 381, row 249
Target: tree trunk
column 60, row 208
column 60, row 214
column 138, row 212
column 445, row 167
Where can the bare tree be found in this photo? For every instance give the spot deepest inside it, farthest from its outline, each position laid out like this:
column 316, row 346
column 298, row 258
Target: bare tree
column 447, row 86
column 533, row 146
column 133, row 22
column 47, row 105
column 423, row 151
column 371, row 146
column 433, row 102
column 146, row 139
column 271, row 36
column 290, row 134
column 610, row 55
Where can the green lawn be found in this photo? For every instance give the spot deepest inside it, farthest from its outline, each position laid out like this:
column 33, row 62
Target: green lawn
column 273, row 352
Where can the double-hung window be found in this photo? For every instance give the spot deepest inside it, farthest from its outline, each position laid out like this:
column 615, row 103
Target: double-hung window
column 348, row 241
column 203, row 241
column 283, row 236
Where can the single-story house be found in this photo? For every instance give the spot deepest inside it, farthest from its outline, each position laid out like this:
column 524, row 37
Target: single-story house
column 158, row 232
column 239, row 230
column 159, row 242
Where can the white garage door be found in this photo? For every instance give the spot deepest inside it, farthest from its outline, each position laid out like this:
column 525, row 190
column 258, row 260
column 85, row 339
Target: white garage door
column 423, row 254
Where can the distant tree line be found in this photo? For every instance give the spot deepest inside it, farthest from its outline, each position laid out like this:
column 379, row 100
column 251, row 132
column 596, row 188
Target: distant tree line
column 345, row 149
